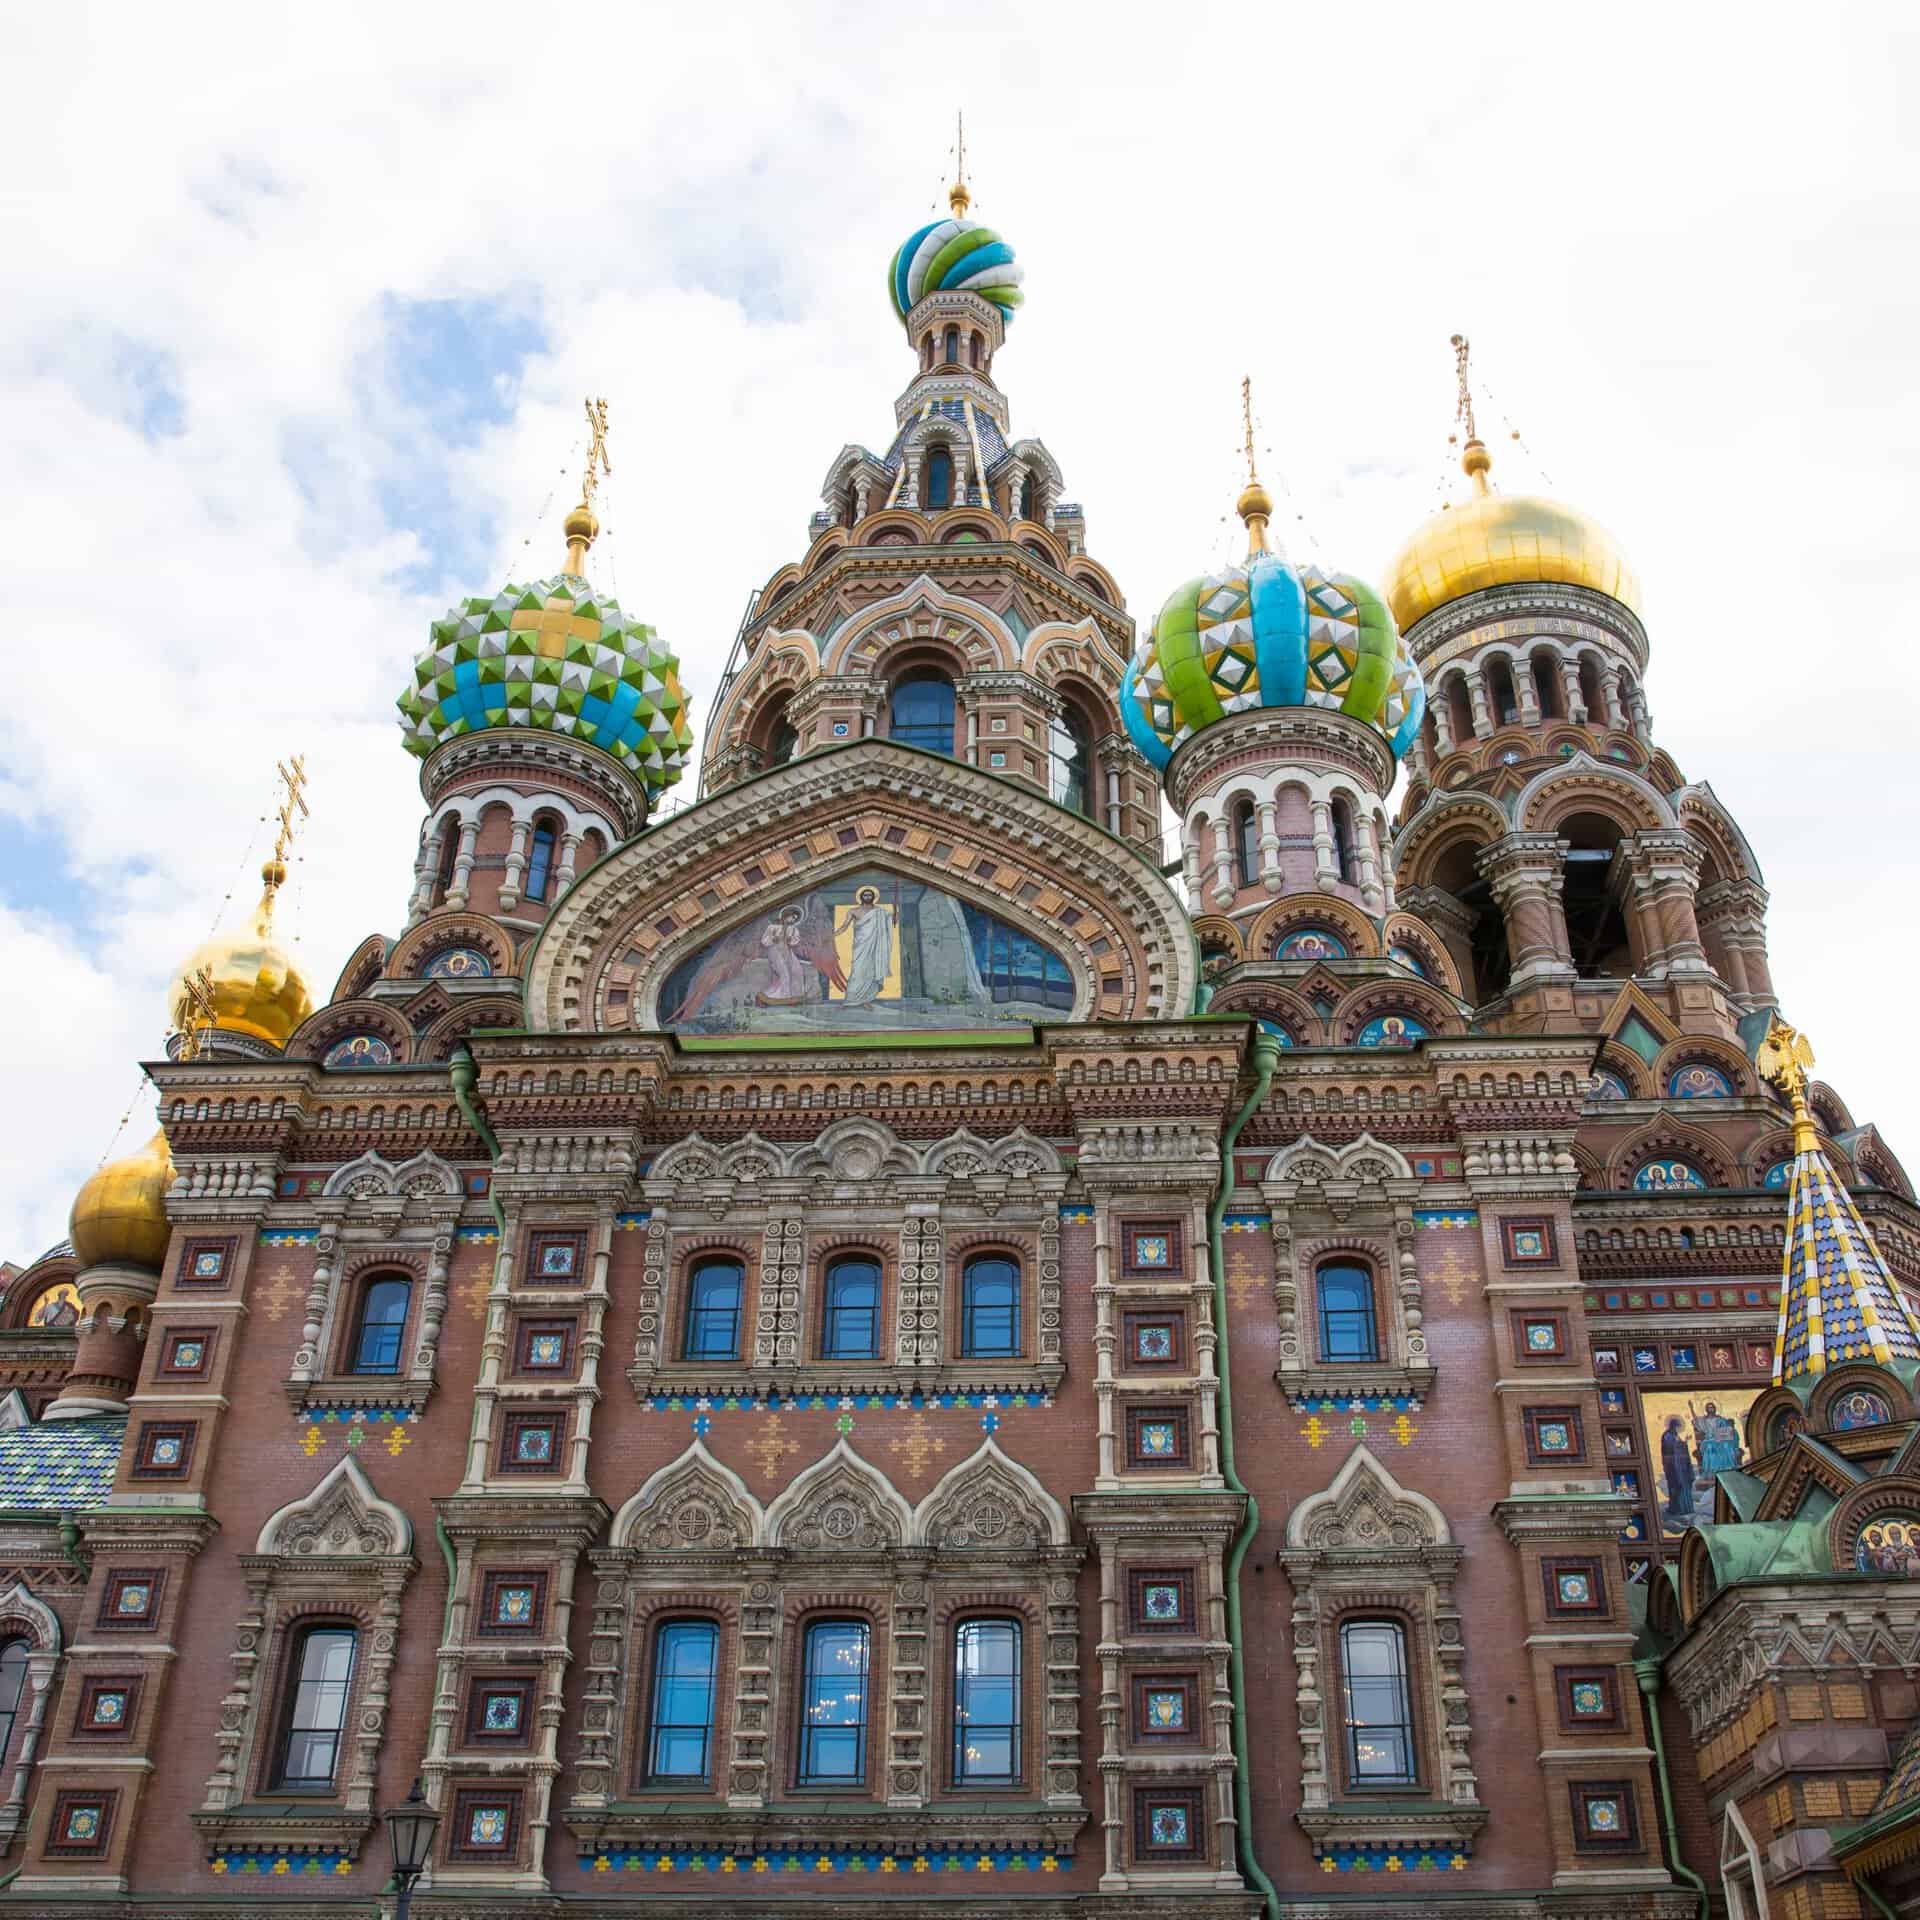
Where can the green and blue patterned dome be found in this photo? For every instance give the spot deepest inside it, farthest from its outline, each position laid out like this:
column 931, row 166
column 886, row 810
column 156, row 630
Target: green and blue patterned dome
column 559, row 656
column 955, row 253
column 1267, row 633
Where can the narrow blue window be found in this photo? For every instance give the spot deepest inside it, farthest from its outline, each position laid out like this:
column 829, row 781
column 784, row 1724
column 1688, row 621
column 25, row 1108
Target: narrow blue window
column 540, row 863
column 383, row 1320
column 852, row 1330
column 1348, row 1330
column 833, row 1727
column 990, row 1309
column 686, row 1660
column 986, row 1703
column 713, row 1311
column 939, row 478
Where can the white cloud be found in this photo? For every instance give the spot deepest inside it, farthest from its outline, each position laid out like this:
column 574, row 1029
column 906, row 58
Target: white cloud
column 1684, row 257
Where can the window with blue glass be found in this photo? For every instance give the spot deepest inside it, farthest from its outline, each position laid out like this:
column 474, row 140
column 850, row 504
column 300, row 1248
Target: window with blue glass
column 381, row 1325
column 1348, row 1329
column 939, row 478
column 852, row 1318
column 986, row 1703
column 539, row 862
column 686, row 1664
column 714, row 1295
column 990, row 1309
column 921, row 712
column 833, row 1698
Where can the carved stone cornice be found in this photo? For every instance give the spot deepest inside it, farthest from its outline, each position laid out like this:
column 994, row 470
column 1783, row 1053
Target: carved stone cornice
column 184, row 1530
column 829, row 1827
column 1539, row 1519
column 1311, row 736
column 1544, row 609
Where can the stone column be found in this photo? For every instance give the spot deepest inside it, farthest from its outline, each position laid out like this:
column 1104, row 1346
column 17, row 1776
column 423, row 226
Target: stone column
column 1383, row 854
column 1441, row 711
column 1223, row 875
column 1483, row 722
column 1734, row 911
column 463, row 865
column 1271, row 877
column 1527, row 872
column 1452, row 922
column 420, row 901
column 1525, row 697
column 516, row 866
column 569, row 853
column 862, row 492
column 1326, row 868
column 1576, row 700
column 1367, row 859
column 1610, row 693
column 1666, row 876
column 1190, row 859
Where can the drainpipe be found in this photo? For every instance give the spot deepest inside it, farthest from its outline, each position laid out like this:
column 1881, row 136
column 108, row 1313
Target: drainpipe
column 1647, row 1672
column 1266, row 1056
column 1865, row 1885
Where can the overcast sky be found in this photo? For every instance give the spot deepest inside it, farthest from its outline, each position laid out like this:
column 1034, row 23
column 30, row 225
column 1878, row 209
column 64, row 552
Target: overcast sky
column 301, row 303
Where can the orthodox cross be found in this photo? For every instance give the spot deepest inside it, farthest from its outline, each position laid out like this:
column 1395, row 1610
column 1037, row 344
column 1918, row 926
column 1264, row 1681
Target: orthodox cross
column 958, row 198
column 1463, row 411
column 296, row 780
column 1246, row 422
column 598, row 465
column 193, row 1011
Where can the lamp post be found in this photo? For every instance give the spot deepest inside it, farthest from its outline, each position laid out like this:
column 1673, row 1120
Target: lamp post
column 410, row 1830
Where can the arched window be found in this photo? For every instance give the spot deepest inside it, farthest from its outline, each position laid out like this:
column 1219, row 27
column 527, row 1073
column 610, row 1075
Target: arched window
column 1027, row 501
column 1246, row 844
column 922, row 711
column 1597, row 714
column 1460, row 710
column 1379, row 1715
column 449, row 853
column 976, row 349
column 1506, row 702
column 833, row 1702
column 713, row 1310
column 951, row 346
column 986, row 1703
column 939, row 478
column 1348, row 1330
column 990, row 1309
column 1343, row 846
column 851, row 511
column 13, row 1681
column 686, row 1661
column 319, row 1678
column 1072, row 763
column 851, row 1329
column 381, row 1325
column 782, row 738
column 1546, row 686
column 539, row 862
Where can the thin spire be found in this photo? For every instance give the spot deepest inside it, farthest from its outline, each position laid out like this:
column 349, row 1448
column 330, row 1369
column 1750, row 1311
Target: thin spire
column 274, row 873
column 958, row 198
column 1838, row 1302
column 583, row 524
column 1255, row 505
column 1474, row 457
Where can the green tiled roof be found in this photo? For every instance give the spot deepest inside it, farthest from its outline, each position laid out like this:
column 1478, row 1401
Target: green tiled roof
column 60, row 1466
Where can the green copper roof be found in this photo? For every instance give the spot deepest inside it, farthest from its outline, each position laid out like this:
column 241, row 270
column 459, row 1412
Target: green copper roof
column 59, row 1466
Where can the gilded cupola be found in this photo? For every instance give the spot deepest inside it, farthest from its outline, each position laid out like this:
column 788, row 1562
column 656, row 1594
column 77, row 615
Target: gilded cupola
column 1495, row 539
column 244, row 980
column 119, row 1217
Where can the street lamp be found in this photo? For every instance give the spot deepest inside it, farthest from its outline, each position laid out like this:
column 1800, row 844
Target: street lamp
column 410, row 1829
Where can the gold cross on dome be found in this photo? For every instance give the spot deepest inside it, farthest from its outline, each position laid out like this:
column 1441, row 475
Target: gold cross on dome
column 1463, row 409
column 958, row 198
column 1246, row 422
column 193, row 1011
column 598, row 465
column 295, row 780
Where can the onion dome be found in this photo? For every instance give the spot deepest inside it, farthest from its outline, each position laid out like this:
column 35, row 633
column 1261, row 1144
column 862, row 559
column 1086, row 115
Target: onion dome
column 558, row 655
column 1503, row 539
column 1268, row 633
column 955, row 253
column 120, row 1215
column 257, row 987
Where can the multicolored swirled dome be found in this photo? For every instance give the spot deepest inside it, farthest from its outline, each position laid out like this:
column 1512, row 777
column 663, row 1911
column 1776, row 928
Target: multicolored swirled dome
column 955, row 253
column 1267, row 633
column 559, row 656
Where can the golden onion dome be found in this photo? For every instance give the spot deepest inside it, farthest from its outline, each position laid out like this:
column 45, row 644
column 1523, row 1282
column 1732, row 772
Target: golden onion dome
column 257, row 987
column 1503, row 539
column 120, row 1215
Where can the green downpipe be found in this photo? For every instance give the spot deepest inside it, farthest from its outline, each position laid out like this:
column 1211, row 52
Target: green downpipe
column 1866, row 1886
column 1647, row 1672
column 1266, row 1056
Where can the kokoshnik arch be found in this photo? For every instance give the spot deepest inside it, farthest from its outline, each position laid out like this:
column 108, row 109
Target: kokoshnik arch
column 874, row 1340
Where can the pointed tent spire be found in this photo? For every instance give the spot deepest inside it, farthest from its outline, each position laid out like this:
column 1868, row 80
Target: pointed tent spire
column 1838, row 1302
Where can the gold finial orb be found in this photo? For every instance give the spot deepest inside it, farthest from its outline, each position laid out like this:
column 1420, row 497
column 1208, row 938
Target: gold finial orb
column 1254, row 499
column 959, row 199
column 120, row 1215
column 1476, row 463
column 257, row 989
